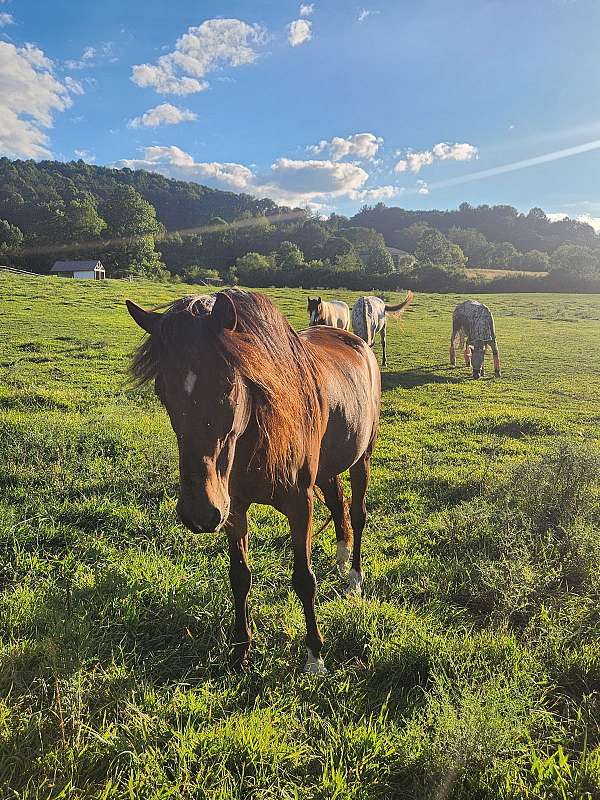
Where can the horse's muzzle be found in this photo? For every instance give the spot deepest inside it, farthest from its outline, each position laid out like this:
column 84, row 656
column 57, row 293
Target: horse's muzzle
column 210, row 521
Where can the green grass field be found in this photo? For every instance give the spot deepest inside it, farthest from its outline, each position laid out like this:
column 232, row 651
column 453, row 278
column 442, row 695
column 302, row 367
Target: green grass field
column 471, row 668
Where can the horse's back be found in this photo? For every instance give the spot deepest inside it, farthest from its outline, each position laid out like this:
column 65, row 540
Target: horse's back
column 475, row 319
column 368, row 317
column 352, row 384
column 340, row 317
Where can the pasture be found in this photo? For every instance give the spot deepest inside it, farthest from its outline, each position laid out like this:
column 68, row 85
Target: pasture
column 471, row 667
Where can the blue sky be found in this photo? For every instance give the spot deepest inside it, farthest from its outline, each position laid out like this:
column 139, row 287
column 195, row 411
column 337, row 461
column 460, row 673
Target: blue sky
column 330, row 104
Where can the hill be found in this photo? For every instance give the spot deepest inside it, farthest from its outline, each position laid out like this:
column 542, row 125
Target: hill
column 502, row 223
column 28, row 186
column 141, row 223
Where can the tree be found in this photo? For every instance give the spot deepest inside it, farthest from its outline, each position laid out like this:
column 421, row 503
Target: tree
column 408, row 238
column 472, row 242
column 503, row 255
column 572, row 259
column 348, row 262
column 132, row 225
column 533, row 261
column 253, row 261
column 11, row 237
column 128, row 214
column 336, row 246
column 289, row 257
column 434, row 249
column 371, row 248
column 81, row 221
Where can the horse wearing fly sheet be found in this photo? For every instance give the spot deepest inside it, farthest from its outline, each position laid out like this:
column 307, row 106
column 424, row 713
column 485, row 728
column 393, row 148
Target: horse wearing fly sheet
column 472, row 330
column 368, row 319
column 263, row 414
column 334, row 313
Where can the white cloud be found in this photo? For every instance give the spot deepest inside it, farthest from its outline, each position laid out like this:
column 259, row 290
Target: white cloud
column 313, row 177
column 423, row 187
column 455, row 152
column 103, row 51
column 359, row 145
column 288, row 181
column 85, row 155
column 6, row 19
column 364, row 13
column 587, row 218
column 299, row 31
column 74, row 86
column 29, row 96
column 203, row 49
column 415, row 161
column 593, row 221
column 376, row 193
column 163, row 114
column 306, row 9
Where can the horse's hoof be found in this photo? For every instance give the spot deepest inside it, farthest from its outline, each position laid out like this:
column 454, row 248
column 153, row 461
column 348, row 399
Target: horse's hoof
column 498, row 374
column 315, row 666
column 355, row 584
column 240, row 659
column 342, row 558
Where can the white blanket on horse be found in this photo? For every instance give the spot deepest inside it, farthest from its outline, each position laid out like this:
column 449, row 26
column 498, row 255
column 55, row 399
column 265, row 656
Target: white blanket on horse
column 368, row 318
column 475, row 320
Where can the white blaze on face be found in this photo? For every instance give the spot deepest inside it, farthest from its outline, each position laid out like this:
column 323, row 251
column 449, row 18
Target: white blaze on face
column 190, row 382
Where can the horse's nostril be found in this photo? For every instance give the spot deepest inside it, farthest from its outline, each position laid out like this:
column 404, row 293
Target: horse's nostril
column 214, row 519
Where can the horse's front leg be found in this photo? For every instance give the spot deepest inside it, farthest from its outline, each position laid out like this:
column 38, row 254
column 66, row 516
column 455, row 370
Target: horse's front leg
column 240, row 578
column 299, row 514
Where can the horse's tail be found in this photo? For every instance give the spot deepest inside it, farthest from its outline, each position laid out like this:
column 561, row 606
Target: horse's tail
column 401, row 306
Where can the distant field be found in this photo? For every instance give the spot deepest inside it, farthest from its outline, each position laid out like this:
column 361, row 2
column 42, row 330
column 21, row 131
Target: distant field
column 471, row 668
column 499, row 273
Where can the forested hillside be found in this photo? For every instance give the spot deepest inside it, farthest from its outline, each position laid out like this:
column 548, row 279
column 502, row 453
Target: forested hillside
column 531, row 231
column 141, row 223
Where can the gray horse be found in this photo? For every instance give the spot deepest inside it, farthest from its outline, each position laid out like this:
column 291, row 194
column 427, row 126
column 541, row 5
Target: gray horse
column 473, row 329
column 368, row 319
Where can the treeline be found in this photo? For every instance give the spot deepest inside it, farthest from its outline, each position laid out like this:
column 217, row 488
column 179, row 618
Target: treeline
column 140, row 223
column 502, row 223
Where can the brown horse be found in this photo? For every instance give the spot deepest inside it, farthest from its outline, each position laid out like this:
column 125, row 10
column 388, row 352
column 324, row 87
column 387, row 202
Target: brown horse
column 262, row 414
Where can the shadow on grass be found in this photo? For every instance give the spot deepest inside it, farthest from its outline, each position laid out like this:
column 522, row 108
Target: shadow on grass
column 422, row 376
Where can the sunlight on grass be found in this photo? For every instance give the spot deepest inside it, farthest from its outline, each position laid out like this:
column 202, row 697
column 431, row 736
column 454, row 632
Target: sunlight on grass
column 469, row 670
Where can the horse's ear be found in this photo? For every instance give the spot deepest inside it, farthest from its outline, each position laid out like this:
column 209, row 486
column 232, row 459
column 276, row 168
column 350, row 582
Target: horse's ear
column 319, row 301
column 147, row 320
column 223, row 314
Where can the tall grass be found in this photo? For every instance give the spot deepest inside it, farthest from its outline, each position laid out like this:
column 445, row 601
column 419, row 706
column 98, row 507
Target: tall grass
column 470, row 669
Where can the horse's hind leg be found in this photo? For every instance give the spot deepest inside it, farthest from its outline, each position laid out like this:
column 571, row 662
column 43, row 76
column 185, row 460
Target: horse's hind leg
column 333, row 494
column 359, row 479
column 383, row 346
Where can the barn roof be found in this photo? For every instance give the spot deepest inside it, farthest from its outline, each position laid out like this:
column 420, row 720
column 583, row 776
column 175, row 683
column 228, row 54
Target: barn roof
column 74, row 266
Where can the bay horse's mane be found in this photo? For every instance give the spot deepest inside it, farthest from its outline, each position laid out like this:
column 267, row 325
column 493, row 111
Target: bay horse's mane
column 280, row 371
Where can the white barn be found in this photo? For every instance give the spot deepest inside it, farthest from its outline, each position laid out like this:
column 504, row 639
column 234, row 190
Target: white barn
column 79, row 269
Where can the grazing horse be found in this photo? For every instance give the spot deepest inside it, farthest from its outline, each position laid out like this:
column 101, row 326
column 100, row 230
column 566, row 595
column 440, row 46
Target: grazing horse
column 368, row 319
column 262, row 414
column 334, row 313
column 472, row 330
